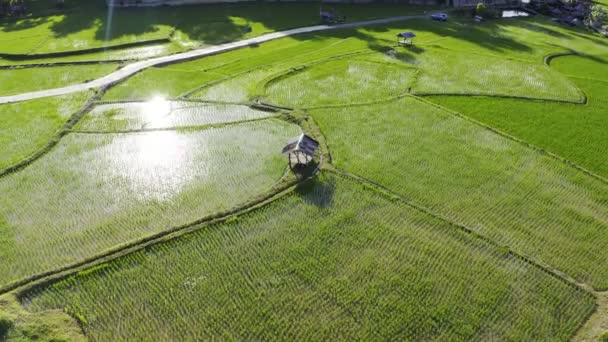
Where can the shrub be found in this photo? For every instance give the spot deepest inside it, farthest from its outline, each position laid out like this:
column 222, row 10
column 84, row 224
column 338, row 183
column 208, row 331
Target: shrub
column 481, row 8
column 597, row 16
column 6, row 323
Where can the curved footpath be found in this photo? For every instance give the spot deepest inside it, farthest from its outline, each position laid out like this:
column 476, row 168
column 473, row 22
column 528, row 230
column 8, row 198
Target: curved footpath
column 136, row 67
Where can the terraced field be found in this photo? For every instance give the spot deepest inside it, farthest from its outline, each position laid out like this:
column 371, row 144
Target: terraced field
column 146, row 182
column 286, row 272
column 15, row 81
column 577, row 133
column 504, row 190
column 161, row 114
column 461, row 194
column 26, row 127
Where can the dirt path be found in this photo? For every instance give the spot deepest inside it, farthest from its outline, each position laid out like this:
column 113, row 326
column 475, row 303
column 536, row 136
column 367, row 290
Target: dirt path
column 597, row 325
column 136, row 67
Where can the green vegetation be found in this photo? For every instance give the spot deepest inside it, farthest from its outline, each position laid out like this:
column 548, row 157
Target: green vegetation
column 286, row 271
column 125, row 54
column 454, row 231
column 88, row 24
column 18, row 324
column 443, row 72
column 159, row 113
column 232, row 76
column 509, row 193
column 145, row 182
column 578, row 133
column 15, row 81
column 511, row 67
column 340, row 81
column 26, row 127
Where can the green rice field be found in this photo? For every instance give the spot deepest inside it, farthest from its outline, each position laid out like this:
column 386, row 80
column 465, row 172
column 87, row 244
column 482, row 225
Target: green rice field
column 26, row 127
column 286, row 272
column 479, row 179
column 577, row 133
column 459, row 190
column 15, row 81
column 147, row 181
column 160, row 114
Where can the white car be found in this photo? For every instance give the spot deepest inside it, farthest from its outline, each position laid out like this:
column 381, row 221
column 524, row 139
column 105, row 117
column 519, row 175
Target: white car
column 439, row 16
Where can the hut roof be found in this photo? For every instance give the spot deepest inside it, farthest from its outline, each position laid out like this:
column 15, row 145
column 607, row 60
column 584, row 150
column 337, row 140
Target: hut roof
column 303, row 143
column 406, row 35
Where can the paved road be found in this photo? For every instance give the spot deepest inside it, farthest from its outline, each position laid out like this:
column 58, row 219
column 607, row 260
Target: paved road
column 136, row 67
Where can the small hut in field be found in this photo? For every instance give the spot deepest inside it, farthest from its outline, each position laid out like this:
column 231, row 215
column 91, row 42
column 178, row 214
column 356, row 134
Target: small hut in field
column 300, row 151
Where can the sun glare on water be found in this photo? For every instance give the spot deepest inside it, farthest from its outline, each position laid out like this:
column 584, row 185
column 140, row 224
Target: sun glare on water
column 157, row 165
column 156, row 110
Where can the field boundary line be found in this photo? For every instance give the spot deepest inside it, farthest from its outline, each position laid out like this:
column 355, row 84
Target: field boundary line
column 94, row 101
column 180, row 128
column 515, row 139
column 266, row 65
column 60, row 64
column 547, row 269
column 585, row 78
column 53, row 141
column 464, row 52
column 343, row 105
column 581, row 101
column 187, row 94
column 30, row 55
column 176, row 99
column 41, row 280
column 262, row 85
column 134, row 68
column 553, row 55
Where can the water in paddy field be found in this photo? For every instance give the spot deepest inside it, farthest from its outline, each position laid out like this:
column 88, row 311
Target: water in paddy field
column 159, row 113
column 514, row 13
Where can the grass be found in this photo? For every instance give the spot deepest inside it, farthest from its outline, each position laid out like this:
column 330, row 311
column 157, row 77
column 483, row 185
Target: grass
column 17, row 324
column 509, row 193
column 16, row 81
column 340, row 81
column 335, row 260
column 269, row 58
column 86, row 25
column 127, row 54
column 160, row 114
column 26, row 127
column 145, row 182
column 576, row 132
column 511, row 67
column 481, row 75
column 155, row 82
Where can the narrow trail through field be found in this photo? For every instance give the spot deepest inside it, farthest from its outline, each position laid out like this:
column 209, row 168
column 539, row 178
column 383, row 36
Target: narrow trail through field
column 134, row 68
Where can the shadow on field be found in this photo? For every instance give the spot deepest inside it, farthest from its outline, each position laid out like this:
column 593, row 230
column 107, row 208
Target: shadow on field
column 317, row 192
column 218, row 23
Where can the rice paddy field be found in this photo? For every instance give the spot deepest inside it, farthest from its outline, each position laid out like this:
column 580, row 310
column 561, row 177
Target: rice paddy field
column 26, row 127
column 460, row 191
column 21, row 80
column 288, row 271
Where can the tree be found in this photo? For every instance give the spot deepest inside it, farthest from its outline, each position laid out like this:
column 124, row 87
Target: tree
column 597, row 16
column 481, row 8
